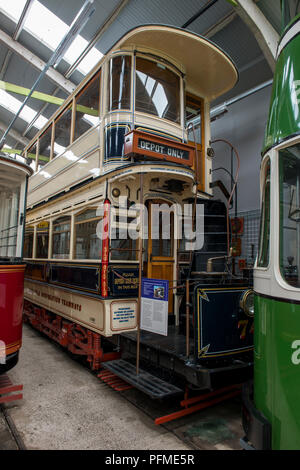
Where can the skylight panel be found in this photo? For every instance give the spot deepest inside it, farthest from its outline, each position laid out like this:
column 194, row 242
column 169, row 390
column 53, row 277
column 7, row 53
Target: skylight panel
column 45, row 26
column 50, row 30
column 13, row 105
column 12, row 9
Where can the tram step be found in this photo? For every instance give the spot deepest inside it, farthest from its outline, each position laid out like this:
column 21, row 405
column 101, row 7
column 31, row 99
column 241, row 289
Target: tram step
column 150, row 384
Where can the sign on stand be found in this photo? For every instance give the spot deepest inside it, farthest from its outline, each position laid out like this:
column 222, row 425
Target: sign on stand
column 154, row 306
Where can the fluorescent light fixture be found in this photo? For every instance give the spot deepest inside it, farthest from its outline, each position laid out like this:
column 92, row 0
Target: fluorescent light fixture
column 218, row 112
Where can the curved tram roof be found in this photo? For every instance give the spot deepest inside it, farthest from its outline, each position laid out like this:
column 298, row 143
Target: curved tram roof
column 209, row 71
column 12, row 171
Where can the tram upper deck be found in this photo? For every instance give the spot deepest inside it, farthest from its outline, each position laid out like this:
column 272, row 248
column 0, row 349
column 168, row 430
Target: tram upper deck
column 148, row 85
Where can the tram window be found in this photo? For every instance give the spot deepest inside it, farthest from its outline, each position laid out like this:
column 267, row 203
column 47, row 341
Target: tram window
column 119, row 83
column 31, row 156
column 123, row 249
column 87, row 107
column 28, row 242
column 61, row 238
column 157, row 90
column 87, row 244
column 123, row 245
column 44, row 148
column 42, row 240
column 289, row 190
column 163, row 235
column 62, row 132
column 9, row 214
column 264, row 239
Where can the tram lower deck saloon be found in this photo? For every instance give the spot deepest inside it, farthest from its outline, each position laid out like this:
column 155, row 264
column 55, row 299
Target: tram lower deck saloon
column 120, row 169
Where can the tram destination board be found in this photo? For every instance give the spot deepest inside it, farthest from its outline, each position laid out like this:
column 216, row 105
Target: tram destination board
column 145, row 144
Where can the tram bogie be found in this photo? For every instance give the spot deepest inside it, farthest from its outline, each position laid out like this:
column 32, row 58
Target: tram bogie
column 126, row 194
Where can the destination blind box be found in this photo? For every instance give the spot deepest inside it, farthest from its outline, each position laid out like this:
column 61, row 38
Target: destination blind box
column 144, row 144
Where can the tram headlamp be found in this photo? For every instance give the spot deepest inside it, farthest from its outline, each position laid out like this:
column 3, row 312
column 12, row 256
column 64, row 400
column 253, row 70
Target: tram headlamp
column 247, row 302
column 116, row 192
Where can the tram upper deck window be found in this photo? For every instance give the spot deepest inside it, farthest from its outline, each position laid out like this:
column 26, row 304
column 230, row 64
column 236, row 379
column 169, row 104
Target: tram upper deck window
column 157, row 90
column 87, row 107
column 44, row 154
column 61, row 238
column 9, row 216
column 62, row 132
column 264, row 237
column 119, row 83
column 289, row 190
column 290, row 9
column 31, row 156
column 87, row 243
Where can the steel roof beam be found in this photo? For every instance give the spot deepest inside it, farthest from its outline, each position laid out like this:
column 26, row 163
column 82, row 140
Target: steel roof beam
column 16, row 35
column 263, row 31
column 15, row 135
column 36, row 62
column 221, row 24
column 96, row 37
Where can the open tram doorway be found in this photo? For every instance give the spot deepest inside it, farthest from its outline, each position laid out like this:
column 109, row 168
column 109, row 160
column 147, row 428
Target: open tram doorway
column 161, row 244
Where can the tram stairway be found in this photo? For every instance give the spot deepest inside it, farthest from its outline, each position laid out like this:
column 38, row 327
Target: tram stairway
column 158, row 355
column 148, row 383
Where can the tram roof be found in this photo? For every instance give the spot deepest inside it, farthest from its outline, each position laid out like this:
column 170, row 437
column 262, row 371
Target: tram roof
column 17, row 166
column 209, row 71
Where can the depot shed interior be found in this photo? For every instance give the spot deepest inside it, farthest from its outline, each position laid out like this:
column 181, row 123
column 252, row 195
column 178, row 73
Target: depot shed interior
column 30, row 30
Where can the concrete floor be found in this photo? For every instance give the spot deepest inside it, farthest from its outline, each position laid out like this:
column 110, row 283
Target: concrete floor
column 67, row 407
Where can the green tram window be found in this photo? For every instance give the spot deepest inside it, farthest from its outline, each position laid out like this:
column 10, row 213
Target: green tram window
column 119, row 83
column 290, row 9
column 157, row 90
column 289, row 190
column 264, row 238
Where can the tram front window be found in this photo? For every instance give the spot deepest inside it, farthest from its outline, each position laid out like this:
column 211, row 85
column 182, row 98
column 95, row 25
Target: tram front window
column 289, row 181
column 157, row 90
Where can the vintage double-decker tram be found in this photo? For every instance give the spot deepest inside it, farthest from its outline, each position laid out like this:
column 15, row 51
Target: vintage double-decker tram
column 14, row 174
column 120, row 139
column 271, row 412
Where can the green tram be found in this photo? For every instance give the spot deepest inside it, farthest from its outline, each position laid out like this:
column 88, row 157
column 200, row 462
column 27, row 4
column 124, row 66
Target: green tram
column 271, row 418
